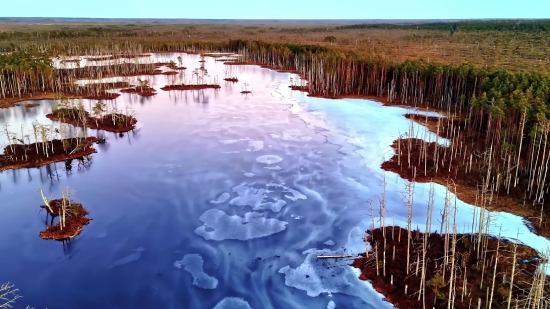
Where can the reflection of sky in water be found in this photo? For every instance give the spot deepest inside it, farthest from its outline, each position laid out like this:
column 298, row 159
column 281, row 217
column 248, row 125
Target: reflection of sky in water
column 227, row 198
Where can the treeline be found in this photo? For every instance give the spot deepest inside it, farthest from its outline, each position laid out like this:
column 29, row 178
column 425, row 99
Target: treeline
column 531, row 26
column 92, row 32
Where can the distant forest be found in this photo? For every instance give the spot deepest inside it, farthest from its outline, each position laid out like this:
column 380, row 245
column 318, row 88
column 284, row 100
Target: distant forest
column 496, row 25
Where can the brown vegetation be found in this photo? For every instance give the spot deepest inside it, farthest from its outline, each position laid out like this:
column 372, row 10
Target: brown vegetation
column 104, row 118
column 468, row 163
column 29, row 105
column 190, row 87
column 477, row 278
column 38, row 154
column 114, row 122
column 72, row 219
column 141, row 91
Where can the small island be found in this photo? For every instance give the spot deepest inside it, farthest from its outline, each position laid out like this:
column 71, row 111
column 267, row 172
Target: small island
column 141, row 91
column 229, row 76
column 28, row 105
column 72, row 217
column 245, row 89
column 103, row 119
column 190, row 87
column 50, row 145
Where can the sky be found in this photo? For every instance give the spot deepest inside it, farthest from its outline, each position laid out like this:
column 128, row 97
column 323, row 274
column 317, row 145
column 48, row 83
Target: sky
column 278, row 9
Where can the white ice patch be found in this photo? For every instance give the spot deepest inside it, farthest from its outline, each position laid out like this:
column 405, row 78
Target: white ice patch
column 329, row 242
column 233, row 141
column 250, row 196
column 295, row 135
column 255, row 145
column 232, row 303
column 296, row 195
column 275, row 168
column 269, row 159
column 193, row 263
column 315, row 277
column 130, row 258
column 331, row 305
column 222, row 226
column 221, row 199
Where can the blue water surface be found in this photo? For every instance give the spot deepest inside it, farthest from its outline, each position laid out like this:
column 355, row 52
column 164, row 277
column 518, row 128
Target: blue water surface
column 216, row 200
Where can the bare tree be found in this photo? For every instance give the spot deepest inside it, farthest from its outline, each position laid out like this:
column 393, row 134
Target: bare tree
column 8, row 295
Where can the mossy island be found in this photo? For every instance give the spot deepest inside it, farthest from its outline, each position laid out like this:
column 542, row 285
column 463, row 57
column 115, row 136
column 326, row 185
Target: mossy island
column 72, row 217
column 104, row 118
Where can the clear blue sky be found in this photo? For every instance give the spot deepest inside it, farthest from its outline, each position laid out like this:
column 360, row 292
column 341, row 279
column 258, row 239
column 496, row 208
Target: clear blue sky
column 278, row 9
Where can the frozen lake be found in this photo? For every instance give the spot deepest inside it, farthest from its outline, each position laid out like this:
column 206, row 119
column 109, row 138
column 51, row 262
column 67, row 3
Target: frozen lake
column 216, row 200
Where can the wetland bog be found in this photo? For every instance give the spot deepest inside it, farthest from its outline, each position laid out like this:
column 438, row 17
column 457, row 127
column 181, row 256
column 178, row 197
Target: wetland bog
column 215, row 197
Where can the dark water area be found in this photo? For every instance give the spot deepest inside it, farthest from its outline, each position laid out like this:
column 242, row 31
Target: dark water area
column 216, row 200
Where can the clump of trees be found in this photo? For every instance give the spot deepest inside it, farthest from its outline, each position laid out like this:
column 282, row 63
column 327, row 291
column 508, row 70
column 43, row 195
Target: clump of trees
column 72, row 217
column 446, row 269
column 51, row 144
column 104, row 116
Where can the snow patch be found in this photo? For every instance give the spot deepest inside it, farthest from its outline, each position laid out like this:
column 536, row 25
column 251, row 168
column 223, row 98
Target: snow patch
column 232, row 303
column 222, row 198
column 250, row 196
column 193, row 263
column 220, row 226
column 269, row 159
column 275, row 168
column 315, row 277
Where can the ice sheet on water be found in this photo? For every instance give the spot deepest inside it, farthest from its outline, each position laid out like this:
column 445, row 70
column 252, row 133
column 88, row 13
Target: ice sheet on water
column 221, row 199
column 295, row 135
column 331, row 305
column 193, row 263
column 329, row 242
column 221, row 226
column 250, row 196
column 255, row 145
column 269, row 159
column 130, row 258
column 292, row 135
column 232, row 303
column 315, row 277
column 275, row 168
column 296, row 195
column 233, row 141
